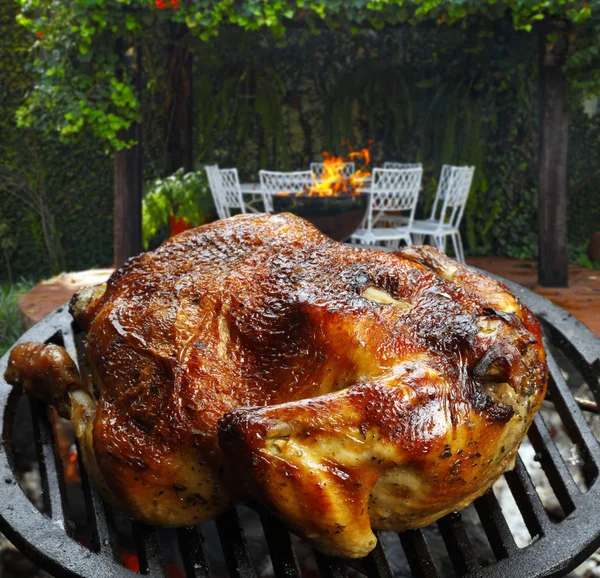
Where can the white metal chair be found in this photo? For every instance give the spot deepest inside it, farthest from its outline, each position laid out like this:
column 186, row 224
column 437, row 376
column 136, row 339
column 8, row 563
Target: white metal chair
column 318, row 168
column 394, row 165
column 447, row 211
column 391, row 190
column 396, row 219
column 212, row 173
column 273, row 182
column 226, row 190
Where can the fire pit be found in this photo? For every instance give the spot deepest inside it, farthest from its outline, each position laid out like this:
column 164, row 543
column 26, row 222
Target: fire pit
column 335, row 203
column 337, row 216
column 96, row 541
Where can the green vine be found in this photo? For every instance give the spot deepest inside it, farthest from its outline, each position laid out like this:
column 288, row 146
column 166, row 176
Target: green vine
column 239, row 96
column 81, row 54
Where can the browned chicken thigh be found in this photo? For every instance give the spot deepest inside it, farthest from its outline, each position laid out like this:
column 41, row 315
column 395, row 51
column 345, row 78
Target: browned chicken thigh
column 346, row 389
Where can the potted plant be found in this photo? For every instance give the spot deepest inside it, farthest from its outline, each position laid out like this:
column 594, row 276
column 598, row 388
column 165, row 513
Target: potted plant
column 180, row 201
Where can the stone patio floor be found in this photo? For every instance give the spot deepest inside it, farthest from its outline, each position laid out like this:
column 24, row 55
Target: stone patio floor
column 581, row 298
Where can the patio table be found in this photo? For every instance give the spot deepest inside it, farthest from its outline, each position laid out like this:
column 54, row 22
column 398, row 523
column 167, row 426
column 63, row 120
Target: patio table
column 253, row 189
column 250, row 188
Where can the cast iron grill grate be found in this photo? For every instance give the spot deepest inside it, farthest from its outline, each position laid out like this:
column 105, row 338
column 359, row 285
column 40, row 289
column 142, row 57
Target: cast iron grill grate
column 48, row 536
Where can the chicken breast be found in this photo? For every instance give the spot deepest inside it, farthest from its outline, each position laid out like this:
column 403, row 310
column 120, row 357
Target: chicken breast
column 346, row 389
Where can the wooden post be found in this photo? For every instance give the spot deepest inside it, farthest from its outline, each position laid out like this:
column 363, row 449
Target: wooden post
column 180, row 110
column 553, row 269
column 128, row 166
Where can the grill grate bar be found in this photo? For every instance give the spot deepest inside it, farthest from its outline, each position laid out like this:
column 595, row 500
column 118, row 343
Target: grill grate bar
column 376, row 563
column 527, row 500
column 233, row 543
column 191, row 546
column 585, row 355
column 572, row 417
column 559, row 547
column 418, row 555
column 102, row 532
column 458, row 544
column 52, row 496
column 330, row 567
column 558, row 474
column 282, row 554
column 112, row 544
column 95, row 512
column 146, row 540
column 495, row 526
column 69, row 344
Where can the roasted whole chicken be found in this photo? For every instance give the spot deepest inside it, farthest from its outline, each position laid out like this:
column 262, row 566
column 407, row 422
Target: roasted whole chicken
column 347, row 390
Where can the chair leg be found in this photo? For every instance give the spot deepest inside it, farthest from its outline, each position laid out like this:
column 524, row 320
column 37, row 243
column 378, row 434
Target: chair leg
column 417, row 238
column 455, row 246
column 440, row 242
column 461, row 253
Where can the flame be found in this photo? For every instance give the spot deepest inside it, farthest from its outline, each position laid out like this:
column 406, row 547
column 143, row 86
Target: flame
column 333, row 182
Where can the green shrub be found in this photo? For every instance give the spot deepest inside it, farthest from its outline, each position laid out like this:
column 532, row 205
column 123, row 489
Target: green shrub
column 183, row 196
column 578, row 256
column 11, row 324
column 69, row 193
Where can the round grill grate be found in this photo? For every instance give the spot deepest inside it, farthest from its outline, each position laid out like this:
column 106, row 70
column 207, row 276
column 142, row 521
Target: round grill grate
column 252, row 543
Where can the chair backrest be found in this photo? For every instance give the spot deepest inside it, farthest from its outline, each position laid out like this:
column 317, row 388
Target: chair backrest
column 226, row 191
column 394, row 190
column 394, row 165
column 230, row 190
column 214, row 179
column 317, row 169
column 452, row 194
column 273, row 182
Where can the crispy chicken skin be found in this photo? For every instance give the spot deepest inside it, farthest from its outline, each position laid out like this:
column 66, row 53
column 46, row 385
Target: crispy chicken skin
column 348, row 390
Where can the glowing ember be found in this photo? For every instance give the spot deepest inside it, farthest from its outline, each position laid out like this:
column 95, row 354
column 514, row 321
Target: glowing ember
column 130, row 561
column 71, row 466
column 333, row 182
column 67, row 449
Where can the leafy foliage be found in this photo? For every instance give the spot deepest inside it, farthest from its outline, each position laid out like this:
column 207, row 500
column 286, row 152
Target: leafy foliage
column 584, row 177
column 184, row 196
column 28, row 186
column 75, row 178
column 11, row 325
column 578, row 255
column 8, row 246
column 82, row 51
column 239, row 95
column 374, row 92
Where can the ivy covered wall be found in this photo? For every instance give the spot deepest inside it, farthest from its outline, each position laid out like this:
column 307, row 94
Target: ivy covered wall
column 55, row 198
column 438, row 95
